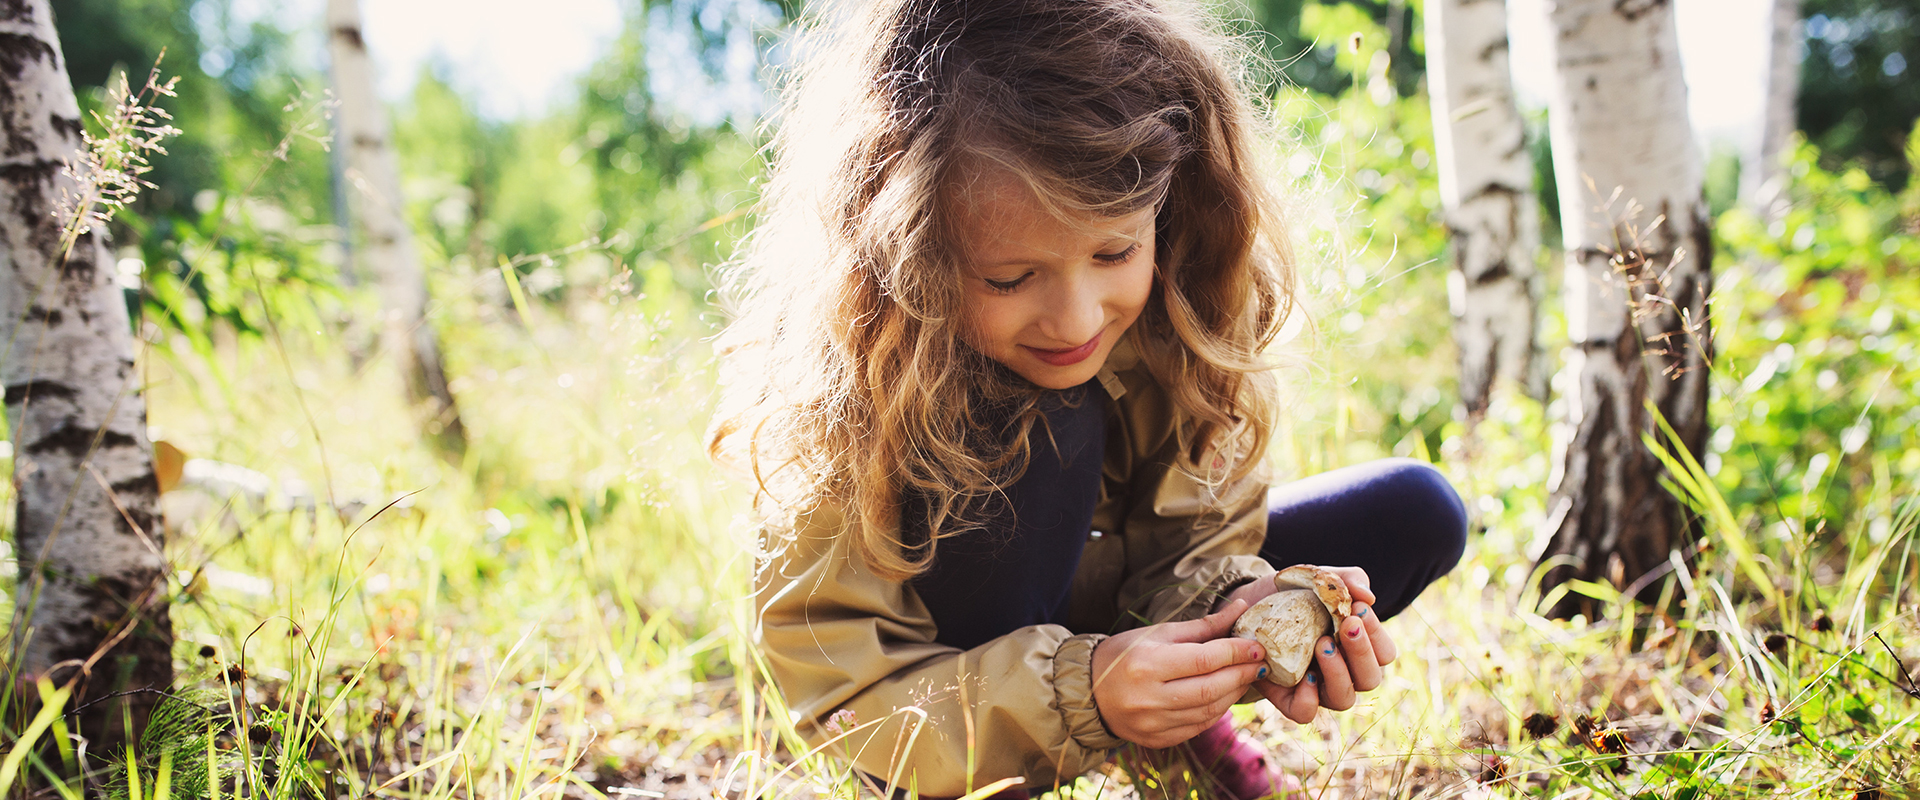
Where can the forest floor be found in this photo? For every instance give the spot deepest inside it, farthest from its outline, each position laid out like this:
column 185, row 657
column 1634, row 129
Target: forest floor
column 561, row 611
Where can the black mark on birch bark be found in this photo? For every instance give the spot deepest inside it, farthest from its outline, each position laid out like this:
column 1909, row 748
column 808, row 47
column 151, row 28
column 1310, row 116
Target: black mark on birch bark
column 18, row 52
column 1633, row 10
column 38, row 390
column 351, row 33
column 15, row 11
column 69, row 127
column 75, row 440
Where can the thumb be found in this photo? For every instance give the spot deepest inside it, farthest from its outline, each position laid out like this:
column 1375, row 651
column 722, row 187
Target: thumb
column 1209, row 627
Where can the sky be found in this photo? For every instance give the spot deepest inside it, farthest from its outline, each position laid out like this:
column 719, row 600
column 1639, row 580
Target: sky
column 516, row 57
column 518, row 61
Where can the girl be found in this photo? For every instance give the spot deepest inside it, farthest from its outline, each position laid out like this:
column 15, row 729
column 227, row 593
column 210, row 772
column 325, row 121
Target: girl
column 996, row 368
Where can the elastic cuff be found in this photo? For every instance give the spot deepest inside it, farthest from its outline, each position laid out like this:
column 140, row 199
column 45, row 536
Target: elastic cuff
column 1207, row 600
column 1073, row 693
column 1227, row 588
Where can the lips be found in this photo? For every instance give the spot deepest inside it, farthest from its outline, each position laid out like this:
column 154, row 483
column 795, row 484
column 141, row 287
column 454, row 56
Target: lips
column 1067, row 357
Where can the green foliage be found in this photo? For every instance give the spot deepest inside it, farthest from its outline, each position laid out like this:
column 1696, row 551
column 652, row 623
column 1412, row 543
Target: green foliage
column 1309, row 52
column 1821, row 337
column 104, row 38
column 177, row 755
column 1858, row 96
column 1373, row 241
column 233, row 89
column 662, row 185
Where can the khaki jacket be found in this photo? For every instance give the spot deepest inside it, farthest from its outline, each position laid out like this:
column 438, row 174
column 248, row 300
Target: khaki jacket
column 842, row 643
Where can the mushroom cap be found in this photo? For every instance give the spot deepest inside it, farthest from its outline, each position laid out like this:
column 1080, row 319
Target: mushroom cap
column 1325, row 583
column 1309, row 602
column 1286, row 623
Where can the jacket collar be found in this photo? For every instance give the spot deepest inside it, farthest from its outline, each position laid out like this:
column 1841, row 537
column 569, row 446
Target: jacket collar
column 1123, row 357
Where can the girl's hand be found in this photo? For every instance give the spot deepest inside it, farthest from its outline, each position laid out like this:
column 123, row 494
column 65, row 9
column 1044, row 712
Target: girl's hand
column 1160, row 685
column 1343, row 670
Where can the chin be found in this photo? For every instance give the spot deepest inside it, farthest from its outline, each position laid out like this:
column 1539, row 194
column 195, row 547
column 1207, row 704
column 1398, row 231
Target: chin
column 1047, row 376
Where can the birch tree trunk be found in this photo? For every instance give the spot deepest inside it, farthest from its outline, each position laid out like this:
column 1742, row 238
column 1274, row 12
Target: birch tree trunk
column 1763, row 184
column 1486, row 184
column 91, row 601
column 386, row 246
column 1638, row 276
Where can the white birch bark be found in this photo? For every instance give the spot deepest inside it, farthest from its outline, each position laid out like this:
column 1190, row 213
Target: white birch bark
column 1638, row 276
column 386, row 245
column 1486, row 184
column 92, row 591
column 1763, row 183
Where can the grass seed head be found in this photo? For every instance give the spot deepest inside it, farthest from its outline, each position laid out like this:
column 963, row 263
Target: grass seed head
column 1612, row 741
column 107, row 170
column 1583, row 727
column 1541, row 725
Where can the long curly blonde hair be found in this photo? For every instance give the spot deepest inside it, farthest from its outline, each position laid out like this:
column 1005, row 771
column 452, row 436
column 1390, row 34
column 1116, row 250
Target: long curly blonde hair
column 846, row 378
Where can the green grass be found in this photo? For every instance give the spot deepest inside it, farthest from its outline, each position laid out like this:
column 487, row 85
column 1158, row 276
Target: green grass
column 563, row 614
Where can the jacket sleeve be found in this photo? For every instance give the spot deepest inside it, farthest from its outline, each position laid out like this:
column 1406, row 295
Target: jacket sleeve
column 848, row 650
column 1188, row 542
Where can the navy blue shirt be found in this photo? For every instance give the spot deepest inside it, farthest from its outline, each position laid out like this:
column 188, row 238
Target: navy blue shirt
column 1017, row 569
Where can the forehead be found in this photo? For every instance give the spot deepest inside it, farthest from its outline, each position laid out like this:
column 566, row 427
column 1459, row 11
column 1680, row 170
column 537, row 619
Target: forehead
column 997, row 208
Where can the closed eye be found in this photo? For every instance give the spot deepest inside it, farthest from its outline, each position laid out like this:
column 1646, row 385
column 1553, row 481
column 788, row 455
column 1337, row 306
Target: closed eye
column 1007, row 287
column 1121, row 257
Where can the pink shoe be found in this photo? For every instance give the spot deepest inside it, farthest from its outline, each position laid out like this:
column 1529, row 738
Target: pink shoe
column 1240, row 768
column 1234, row 768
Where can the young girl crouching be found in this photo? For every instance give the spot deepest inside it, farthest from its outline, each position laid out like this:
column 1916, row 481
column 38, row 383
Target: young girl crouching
column 997, row 370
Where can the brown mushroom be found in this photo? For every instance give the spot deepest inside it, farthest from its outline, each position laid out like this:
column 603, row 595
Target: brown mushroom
column 1310, row 602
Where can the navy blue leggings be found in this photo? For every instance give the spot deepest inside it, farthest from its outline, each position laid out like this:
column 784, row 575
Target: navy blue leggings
column 1398, row 519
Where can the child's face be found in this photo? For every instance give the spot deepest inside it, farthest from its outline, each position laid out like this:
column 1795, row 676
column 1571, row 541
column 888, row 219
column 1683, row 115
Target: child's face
column 1047, row 297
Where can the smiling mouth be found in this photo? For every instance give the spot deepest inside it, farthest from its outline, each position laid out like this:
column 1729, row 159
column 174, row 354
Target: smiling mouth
column 1067, row 357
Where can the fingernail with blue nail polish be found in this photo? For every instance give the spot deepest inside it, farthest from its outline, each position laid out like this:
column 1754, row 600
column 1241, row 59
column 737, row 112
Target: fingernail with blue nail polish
column 1263, row 673
column 1311, row 678
column 1363, row 611
column 1328, row 651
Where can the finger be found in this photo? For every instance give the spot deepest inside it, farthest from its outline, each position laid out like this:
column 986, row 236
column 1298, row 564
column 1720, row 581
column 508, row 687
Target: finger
column 1298, row 702
column 1190, row 721
column 1336, row 692
column 1186, row 730
column 1362, row 663
column 1207, row 628
column 1278, row 696
column 1358, row 584
column 1180, row 660
column 1383, row 648
column 1304, row 700
column 1209, row 690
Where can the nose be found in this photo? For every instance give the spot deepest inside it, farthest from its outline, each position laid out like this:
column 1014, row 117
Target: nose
column 1078, row 313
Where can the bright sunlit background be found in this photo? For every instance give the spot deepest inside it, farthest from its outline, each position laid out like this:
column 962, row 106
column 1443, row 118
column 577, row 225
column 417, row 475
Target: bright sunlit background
column 515, row 62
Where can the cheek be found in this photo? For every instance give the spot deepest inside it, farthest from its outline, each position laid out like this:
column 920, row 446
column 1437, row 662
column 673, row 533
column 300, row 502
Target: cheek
column 990, row 323
column 1140, row 287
